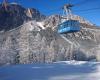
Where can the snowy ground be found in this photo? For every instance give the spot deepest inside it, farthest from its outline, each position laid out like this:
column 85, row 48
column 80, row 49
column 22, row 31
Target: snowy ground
column 65, row 70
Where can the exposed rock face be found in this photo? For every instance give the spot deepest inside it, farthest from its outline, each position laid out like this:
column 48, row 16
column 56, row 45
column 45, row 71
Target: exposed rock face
column 15, row 15
column 52, row 21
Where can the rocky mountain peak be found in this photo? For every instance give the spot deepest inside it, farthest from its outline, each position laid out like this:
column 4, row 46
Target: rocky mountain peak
column 15, row 15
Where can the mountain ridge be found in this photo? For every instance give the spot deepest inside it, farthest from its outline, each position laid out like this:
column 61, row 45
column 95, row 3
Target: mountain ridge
column 16, row 15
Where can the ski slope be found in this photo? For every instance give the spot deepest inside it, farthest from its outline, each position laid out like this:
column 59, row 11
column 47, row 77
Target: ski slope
column 64, row 70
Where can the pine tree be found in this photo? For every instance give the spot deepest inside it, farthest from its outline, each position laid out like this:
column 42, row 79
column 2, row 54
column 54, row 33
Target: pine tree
column 54, row 48
column 43, row 51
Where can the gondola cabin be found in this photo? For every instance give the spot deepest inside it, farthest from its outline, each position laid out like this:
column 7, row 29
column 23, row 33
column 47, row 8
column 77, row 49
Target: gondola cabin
column 69, row 26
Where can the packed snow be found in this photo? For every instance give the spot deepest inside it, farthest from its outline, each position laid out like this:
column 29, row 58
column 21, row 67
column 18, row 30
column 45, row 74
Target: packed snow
column 41, row 24
column 63, row 70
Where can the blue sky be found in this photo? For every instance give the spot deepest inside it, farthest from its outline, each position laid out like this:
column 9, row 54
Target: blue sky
column 49, row 7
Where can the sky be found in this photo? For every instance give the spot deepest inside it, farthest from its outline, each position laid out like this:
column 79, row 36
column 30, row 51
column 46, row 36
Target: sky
column 50, row 7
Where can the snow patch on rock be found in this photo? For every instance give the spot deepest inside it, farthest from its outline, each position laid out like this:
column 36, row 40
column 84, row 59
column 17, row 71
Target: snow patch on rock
column 41, row 24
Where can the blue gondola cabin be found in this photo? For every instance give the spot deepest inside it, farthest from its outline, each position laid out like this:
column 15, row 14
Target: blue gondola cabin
column 69, row 26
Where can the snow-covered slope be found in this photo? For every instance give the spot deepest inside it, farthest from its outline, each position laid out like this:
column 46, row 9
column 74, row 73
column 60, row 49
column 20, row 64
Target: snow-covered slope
column 33, row 39
column 41, row 24
column 65, row 70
